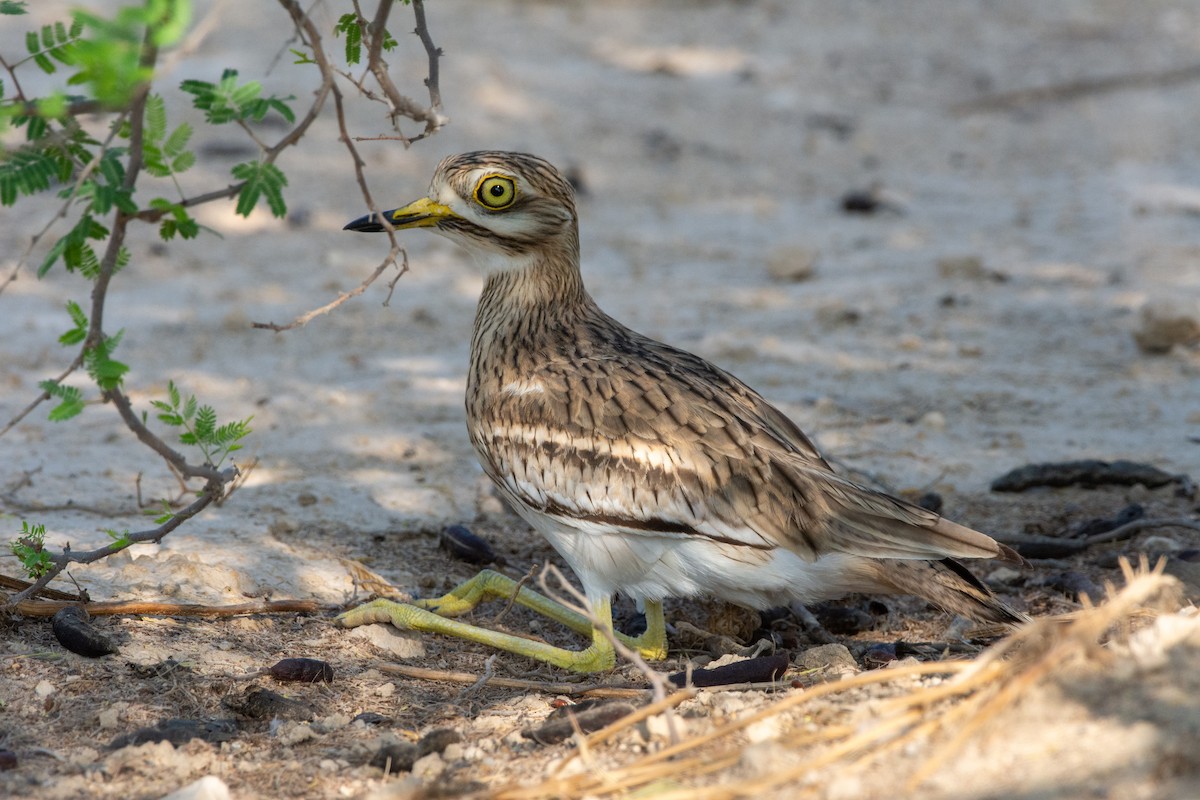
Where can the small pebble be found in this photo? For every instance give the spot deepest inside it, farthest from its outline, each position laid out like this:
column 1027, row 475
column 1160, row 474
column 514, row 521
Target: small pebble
column 464, row 545
column 305, row 670
column 74, row 631
column 372, row 718
column 179, row 732
column 842, row 621
column 437, row 740
column 1166, row 323
column 792, row 264
column 833, row 658
column 879, row 655
column 395, row 757
column 587, row 717
column 257, row 703
column 8, row 760
column 210, row 787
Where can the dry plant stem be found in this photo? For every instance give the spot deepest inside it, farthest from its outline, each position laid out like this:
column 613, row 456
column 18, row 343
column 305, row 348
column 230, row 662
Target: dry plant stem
column 211, row 491
column 48, row 608
column 1130, row 528
column 572, row 689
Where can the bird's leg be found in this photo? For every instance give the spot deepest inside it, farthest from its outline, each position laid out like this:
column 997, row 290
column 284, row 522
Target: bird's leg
column 598, row 657
column 489, row 584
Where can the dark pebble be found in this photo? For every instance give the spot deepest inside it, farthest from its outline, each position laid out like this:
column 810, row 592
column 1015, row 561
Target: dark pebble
column 1073, row 584
column 436, row 741
column 843, row 621
column 395, row 757
column 1192, row 556
column 74, row 631
column 259, row 703
column 879, row 655
column 179, row 732
column 588, row 716
column 752, row 670
column 1088, row 474
column 8, row 760
column 305, row 670
column 861, row 201
column 372, row 718
column 464, row 545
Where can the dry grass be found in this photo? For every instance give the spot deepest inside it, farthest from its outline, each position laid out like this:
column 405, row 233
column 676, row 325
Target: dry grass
column 935, row 720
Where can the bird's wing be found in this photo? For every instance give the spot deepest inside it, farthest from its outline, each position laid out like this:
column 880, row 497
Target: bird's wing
column 665, row 442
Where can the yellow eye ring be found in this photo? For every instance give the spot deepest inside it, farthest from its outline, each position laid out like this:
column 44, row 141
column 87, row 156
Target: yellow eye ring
column 496, row 192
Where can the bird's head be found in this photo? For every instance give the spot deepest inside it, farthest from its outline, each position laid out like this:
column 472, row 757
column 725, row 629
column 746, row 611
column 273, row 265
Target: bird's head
column 507, row 209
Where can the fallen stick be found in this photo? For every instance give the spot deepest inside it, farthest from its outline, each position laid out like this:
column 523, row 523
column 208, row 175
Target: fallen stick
column 48, row 608
column 580, row 689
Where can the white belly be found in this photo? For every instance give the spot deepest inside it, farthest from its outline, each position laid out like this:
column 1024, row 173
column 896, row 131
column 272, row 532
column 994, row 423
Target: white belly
column 648, row 566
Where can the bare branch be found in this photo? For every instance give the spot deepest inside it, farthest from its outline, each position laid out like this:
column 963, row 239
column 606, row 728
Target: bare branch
column 211, row 492
column 388, row 261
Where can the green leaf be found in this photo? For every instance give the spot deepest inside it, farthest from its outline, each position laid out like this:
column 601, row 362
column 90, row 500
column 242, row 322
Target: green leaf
column 206, row 423
column 27, row 172
column 349, row 25
column 261, row 180
column 155, row 127
column 177, row 142
column 70, row 400
column 13, row 7
column 173, row 394
column 189, row 408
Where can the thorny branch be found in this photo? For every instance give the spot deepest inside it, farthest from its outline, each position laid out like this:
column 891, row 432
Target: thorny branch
column 211, row 492
column 401, row 105
column 218, row 480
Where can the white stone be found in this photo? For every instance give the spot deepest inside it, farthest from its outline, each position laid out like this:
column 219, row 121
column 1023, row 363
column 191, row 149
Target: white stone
column 210, row 787
column 401, row 644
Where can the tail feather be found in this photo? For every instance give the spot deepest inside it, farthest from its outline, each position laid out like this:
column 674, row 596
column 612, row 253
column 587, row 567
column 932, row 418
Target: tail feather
column 948, row 585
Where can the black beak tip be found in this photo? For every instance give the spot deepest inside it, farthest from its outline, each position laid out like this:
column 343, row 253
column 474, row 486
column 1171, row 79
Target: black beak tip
column 366, row 224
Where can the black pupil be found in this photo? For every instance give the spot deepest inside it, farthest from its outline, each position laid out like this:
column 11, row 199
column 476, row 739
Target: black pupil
column 497, row 190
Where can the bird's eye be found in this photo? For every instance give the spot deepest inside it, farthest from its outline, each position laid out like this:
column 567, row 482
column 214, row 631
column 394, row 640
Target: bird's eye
column 496, row 192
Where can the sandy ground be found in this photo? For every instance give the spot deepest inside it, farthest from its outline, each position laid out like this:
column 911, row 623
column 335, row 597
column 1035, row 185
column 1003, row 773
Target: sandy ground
column 983, row 320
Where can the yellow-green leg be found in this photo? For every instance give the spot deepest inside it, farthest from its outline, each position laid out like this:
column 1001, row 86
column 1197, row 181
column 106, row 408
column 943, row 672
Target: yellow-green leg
column 431, row 616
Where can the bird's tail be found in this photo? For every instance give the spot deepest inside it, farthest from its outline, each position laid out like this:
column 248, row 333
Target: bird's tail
column 947, row 584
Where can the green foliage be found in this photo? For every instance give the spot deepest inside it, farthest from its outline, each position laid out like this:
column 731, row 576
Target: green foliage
column 178, row 223
column 79, row 332
column 164, row 155
column 29, row 171
column 199, row 425
column 262, row 180
column 226, row 101
column 352, row 25
column 111, row 60
column 56, row 43
column 107, row 372
column 119, row 539
column 164, row 513
column 13, row 7
column 70, row 400
column 30, row 549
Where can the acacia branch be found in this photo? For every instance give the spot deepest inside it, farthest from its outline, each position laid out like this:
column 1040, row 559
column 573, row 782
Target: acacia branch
column 211, row 492
column 402, row 105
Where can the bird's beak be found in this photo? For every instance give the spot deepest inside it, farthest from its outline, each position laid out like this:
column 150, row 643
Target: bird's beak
column 423, row 213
